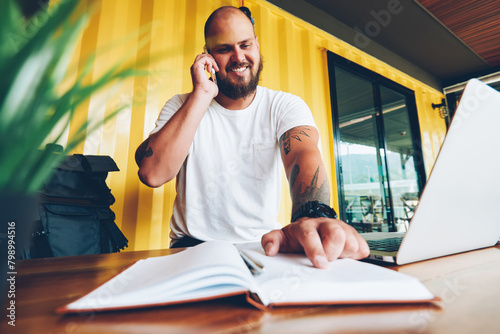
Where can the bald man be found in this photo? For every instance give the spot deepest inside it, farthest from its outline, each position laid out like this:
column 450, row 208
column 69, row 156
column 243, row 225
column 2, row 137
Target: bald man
column 225, row 142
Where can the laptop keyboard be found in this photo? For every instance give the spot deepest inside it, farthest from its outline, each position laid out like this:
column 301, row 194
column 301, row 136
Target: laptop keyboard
column 385, row 245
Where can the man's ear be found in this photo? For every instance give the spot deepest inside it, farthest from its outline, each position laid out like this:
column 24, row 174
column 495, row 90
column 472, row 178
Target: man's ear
column 257, row 41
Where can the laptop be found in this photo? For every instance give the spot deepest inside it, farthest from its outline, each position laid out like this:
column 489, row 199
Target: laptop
column 459, row 209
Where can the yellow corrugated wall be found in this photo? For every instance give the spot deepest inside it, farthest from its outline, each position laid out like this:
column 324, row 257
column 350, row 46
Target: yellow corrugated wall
column 294, row 60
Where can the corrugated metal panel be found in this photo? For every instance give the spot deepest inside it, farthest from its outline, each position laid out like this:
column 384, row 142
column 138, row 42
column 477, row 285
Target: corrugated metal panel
column 294, row 60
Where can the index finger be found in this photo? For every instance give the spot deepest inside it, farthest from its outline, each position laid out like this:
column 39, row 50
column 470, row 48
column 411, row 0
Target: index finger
column 308, row 236
column 211, row 61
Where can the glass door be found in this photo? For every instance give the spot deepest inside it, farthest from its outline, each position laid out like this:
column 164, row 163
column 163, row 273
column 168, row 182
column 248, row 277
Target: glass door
column 375, row 131
column 403, row 179
column 362, row 168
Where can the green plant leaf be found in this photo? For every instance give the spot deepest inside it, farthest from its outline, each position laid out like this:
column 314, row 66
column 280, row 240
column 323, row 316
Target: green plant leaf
column 32, row 104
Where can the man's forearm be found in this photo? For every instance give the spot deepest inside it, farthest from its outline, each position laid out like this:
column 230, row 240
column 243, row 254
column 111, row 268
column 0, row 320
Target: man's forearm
column 308, row 182
column 304, row 167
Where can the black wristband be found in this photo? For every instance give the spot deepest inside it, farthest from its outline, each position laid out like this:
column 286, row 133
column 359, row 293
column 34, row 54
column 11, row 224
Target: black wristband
column 314, row 209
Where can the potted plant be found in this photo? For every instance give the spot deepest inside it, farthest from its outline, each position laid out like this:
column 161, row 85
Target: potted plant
column 34, row 104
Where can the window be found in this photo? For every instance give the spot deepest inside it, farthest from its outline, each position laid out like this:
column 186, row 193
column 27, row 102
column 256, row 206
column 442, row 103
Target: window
column 377, row 148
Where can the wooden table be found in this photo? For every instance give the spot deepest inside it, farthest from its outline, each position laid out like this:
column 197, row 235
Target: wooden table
column 468, row 284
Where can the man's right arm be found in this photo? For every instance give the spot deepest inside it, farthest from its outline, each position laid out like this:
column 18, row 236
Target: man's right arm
column 162, row 154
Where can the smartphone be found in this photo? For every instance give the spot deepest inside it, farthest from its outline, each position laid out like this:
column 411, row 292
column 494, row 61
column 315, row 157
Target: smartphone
column 213, row 77
column 212, row 72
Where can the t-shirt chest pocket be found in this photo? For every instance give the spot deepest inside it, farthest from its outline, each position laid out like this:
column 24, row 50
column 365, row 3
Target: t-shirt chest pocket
column 264, row 159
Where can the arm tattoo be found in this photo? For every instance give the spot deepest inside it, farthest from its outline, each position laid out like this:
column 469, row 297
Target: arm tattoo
column 294, row 133
column 313, row 192
column 148, row 153
column 293, row 175
column 145, row 151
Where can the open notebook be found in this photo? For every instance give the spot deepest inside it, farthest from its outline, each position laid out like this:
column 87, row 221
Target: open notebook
column 214, row 269
column 458, row 209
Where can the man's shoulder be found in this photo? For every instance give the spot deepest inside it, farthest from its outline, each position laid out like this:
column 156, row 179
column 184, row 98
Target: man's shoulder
column 266, row 90
column 173, row 104
column 180, row 97
column 279, row 94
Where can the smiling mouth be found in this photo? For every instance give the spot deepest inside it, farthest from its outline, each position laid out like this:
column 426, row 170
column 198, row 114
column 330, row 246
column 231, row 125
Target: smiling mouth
column 239, row 69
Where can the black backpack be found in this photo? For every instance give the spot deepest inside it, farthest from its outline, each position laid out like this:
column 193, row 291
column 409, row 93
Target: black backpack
column 75, row 214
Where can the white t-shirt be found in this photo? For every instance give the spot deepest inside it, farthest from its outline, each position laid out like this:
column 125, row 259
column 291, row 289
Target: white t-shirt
column 228, row 188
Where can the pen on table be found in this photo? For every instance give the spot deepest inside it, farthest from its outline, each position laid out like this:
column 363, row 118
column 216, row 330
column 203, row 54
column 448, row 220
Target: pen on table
column 255, row 266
